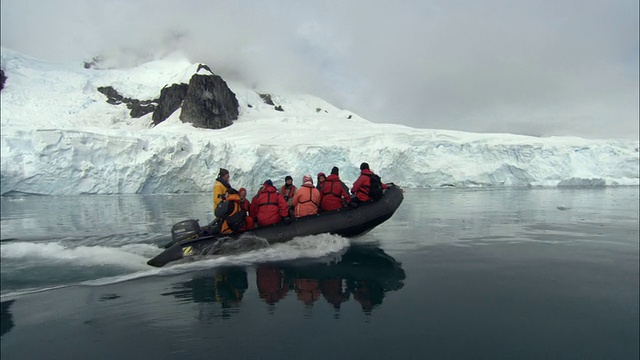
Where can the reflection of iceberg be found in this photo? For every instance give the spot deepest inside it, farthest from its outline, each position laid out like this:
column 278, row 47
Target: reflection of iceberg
column 366, row 273
column 6, row 318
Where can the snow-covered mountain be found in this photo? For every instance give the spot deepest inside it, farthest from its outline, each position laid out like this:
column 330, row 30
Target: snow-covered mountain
column 60, row 137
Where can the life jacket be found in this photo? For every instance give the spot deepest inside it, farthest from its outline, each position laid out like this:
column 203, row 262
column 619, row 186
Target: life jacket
column 310, row 199
column 368, row 186
column 270, row 207
column 306, row 203
column 333, row 194
column 288, row 192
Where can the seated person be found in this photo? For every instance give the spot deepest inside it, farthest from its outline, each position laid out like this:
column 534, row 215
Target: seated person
column 288, row 190
column 232, row 214
column 363, row 189
column 307, row 198
column 269, row 206
column 334, row 195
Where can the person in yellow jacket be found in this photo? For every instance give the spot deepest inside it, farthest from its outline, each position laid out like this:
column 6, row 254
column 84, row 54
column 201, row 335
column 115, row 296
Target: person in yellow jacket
column 220, row 187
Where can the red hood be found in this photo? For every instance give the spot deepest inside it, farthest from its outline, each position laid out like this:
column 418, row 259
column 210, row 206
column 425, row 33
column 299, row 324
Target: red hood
column 269, row 189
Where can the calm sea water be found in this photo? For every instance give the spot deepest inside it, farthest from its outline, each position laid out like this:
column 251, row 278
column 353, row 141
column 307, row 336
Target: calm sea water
column 455, row 274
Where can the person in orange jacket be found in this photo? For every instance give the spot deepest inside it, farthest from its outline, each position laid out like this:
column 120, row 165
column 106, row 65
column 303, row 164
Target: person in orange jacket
column 307, row 198
column 270, row 206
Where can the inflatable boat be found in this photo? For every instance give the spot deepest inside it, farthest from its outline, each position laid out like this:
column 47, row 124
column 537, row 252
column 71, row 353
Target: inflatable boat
column 190, row 240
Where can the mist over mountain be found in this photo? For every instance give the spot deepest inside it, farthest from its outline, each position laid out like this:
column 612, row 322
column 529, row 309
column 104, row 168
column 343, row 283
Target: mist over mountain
column 61, row 136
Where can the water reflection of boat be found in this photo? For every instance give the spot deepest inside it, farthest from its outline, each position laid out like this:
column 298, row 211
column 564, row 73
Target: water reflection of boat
column 190, row 240
column 363, row 273
column 225, row 286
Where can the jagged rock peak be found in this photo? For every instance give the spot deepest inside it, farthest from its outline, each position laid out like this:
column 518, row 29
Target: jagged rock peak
column 209, row 103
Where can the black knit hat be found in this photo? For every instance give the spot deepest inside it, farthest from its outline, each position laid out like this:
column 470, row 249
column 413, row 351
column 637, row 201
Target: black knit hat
column 364, row 166
column 268, row 182
column 288, row 178
column 223, row 172
column 335, row 170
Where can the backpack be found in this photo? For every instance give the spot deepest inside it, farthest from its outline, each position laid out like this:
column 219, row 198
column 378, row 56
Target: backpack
column 232, row 213
column 375, row 187
column 236, row 221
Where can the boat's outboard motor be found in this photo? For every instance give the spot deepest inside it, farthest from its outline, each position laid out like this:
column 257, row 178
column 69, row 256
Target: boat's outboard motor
column 184, row 230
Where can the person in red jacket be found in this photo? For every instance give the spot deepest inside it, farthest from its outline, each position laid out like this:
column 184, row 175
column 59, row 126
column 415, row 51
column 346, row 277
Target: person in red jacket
column 307, row 199
column 242, row 192
column 321, row 179
column 288, row 190
column 270, row 206
column 361, row 187
column 253, row 207
column 334, row 194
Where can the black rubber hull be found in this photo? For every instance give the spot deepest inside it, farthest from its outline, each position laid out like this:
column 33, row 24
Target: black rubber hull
column 346, row 222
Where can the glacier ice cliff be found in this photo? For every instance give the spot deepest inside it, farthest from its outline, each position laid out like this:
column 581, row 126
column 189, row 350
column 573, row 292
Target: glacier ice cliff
column 59, row 137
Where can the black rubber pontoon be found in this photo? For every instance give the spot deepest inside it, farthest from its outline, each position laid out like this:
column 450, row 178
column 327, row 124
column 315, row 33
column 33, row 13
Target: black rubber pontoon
column 348, row 222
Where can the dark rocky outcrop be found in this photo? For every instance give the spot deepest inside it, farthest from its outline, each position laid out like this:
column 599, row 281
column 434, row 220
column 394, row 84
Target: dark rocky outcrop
column 3, row 78
column 141, row 108
column 266, row 98
column 209, row 103
column 170, row 100
column 203, row 66
column 206, row 102
column 138, row 108
column 113, row 97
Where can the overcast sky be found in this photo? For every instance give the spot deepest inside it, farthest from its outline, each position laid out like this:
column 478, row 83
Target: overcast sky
column 534, row 67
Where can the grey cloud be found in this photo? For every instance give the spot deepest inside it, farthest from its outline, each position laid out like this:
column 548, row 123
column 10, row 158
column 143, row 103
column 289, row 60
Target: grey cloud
column 533, row 67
